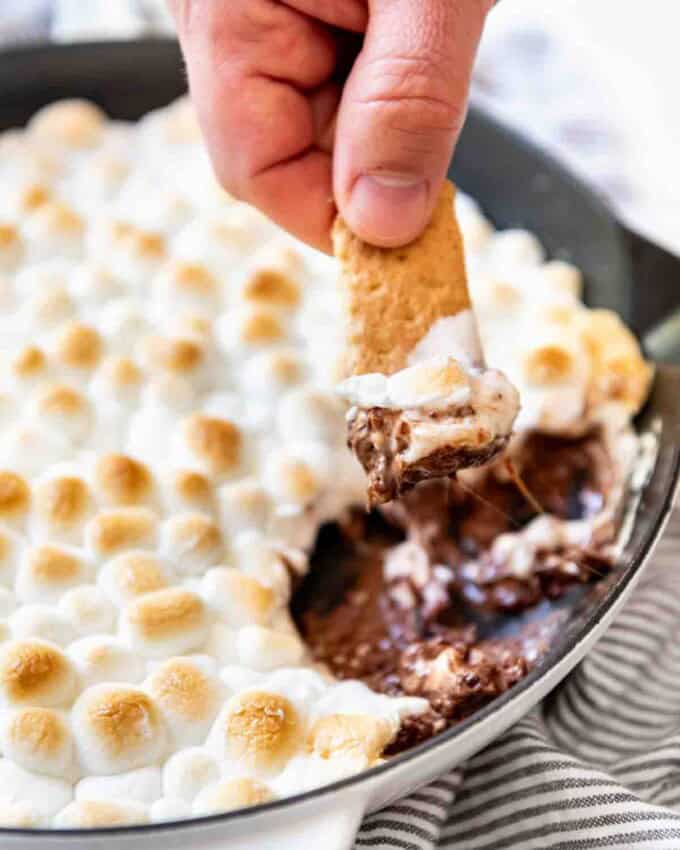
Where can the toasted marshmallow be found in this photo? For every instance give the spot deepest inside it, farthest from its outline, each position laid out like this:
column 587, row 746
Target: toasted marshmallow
column 47, row 571
column 121, row 322
column 39, row 740
column 245, row 505
column 187, row 490
column 43, row 795
column 120, row 480
column 238, row 599
column 135, row 253
column 55, row 229
column 257, row 729
column 262, row 560
column 28, row 368
column 293, row 480
column 46, row 310
column 117, row 381
column 78, row 347
column 88, row 609
column 169, row 809
column 113, row 531
column 264, row 649
column 15, row 497
column 268, row 374
column 41, row 621
column 249, row 329
column 35, row 672
column 361, row 736
column 64, row 409
column 549, row 364
column 72, row 123
column 184, row 285
column 164, row 356
column 132, row 574
column 192, row 542
column 29, row 448
column 103, row 658
column 188, row 697
column 142, row 785
column 91, row 814
column 221, row 644
column 188, row 772
column 18, row 815
column 62, row 504
column 28, row 196
column 117, row 728
column 307, row 413
column 211, row 445
column 11, row 549
column 92, row 284
column 271, row 287
column 11, row 247
column 165, row 622
column 231, row 794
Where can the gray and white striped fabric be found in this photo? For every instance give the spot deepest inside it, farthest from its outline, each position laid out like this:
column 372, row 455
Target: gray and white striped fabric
column 596, row 766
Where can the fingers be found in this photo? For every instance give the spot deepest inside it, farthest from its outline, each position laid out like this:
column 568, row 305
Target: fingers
column 257, row 73
column 401, row 111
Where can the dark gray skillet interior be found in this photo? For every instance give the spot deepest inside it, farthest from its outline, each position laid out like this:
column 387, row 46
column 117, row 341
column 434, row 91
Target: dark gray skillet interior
column 518, row 186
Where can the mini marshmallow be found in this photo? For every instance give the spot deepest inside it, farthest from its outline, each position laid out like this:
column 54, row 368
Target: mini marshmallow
column 221, row 644
column 245, row 505
column 15, row 497
column 360, row 736
column 29, row 448
column 39, row 740
column 65, row 410
column 231, row 794
column 104, row 658
column 211, row 445
column 45, row 795
column 248, row 329
column 238, row 599
column 35, row 672
column 62, row 504
column 192, row 542
column 513, row 249
column 294, row 477
column 117, row 728
column 88, row 610
column 270, row 287
column 18, row 815
column 121, row 322
column 132, row 574
column 185, row 489
column 257, row 729
column 120, row 480
column 169, row 809
column 11, row 548
column 91, row 814
column 118, row 381
column 262, row 560
column 28, row 368
column 73, row 123
column 46, row 310
column 113, row 531
column 164, row 356
column 188, row 772
column 266, row 649
column 92, row 284
column 184, row 285
column 78, row 347
column 268, row 374
column 54, row 229
column 41, row 621
column 165, row 622
column 188, row 698
column 11, row 247
column 307, row 413
column 142, row 785
column 47, row 571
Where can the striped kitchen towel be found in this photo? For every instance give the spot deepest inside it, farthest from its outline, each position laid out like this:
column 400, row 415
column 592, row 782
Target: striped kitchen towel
column 596, row 766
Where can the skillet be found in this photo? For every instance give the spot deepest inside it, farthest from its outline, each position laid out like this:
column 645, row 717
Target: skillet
column 517, row 186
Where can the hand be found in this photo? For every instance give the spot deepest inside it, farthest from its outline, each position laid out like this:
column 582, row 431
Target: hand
column 297, row 118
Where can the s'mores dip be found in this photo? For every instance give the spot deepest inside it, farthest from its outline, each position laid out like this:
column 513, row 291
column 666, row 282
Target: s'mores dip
column 196, row 613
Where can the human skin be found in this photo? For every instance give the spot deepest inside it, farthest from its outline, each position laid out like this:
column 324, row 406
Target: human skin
column 310, row 107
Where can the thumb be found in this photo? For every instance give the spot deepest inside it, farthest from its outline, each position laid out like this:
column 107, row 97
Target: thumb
column 401, row 111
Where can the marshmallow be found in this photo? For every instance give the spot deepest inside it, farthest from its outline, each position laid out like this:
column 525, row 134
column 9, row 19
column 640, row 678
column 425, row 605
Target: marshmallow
column 244, row 505
column 18, row 815
column 165, row 622
column 11, row 547
column 103, row 658
column 188, row 698
column 165, row 356
column 271, row 287
column 169, row 809
column 221, row 644
column 357, row 735
column 238, row 599
column 88, row 610
column 268, row 374
column 8, row 602
column 307, row 413
column 118, row 381
column 39, row 740
column 11, row 247
column 41, row 621
column 211, row 445
column 192, row 542
column 231, row 794
column 15, row 497
column 91, row 814
column 183, row 285
column 73, row 123
column 132, row 574
column 54, row 228
column 188, row 772
column 43, row 795
column 258, row 730
column 92, row 284
column 294, row 477
column 65, row 410
column 35, row 672
column 62, row 504
column 185, row 489
column 142, row 785
column 249, row 328
column 78, row 347
column 46, row 310
column 29, row 368
column 260, row 648
column 117, row 728
column 29, row 448
column 113, row 531
column 47, row 571
column 120, row 480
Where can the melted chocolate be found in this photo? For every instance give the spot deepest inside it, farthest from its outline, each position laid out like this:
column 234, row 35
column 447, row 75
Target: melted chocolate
column 397, row 599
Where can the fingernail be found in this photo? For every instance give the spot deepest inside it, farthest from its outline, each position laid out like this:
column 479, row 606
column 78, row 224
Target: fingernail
column 388, row 208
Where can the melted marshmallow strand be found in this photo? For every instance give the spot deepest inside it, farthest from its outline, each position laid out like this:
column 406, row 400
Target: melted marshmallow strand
column 170, row 443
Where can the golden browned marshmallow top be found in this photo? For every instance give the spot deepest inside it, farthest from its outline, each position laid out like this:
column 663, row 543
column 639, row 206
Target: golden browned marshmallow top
column 272, row 288
column 62, row 502
column 359, row 735
column 215, row 442
column 15, row 496
column 232, row 794
column 74, row 123
column 123, row 528
column 164, row 614
column 79, row 346
column 122, row 480
column 34, row 672
column 261, row 729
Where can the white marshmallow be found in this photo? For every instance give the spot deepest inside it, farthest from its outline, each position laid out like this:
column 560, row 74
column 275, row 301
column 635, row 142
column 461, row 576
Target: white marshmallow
column 165, row 622
column 104, row 658
column 192, row 542
column 39, row 740
column 44, row 794
column 237, row 599
column 142, row 785
column 41, row 621
column 91, row 814
column 88, row 610
column 265, row 649
column 169, row 809
column 47, row 571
